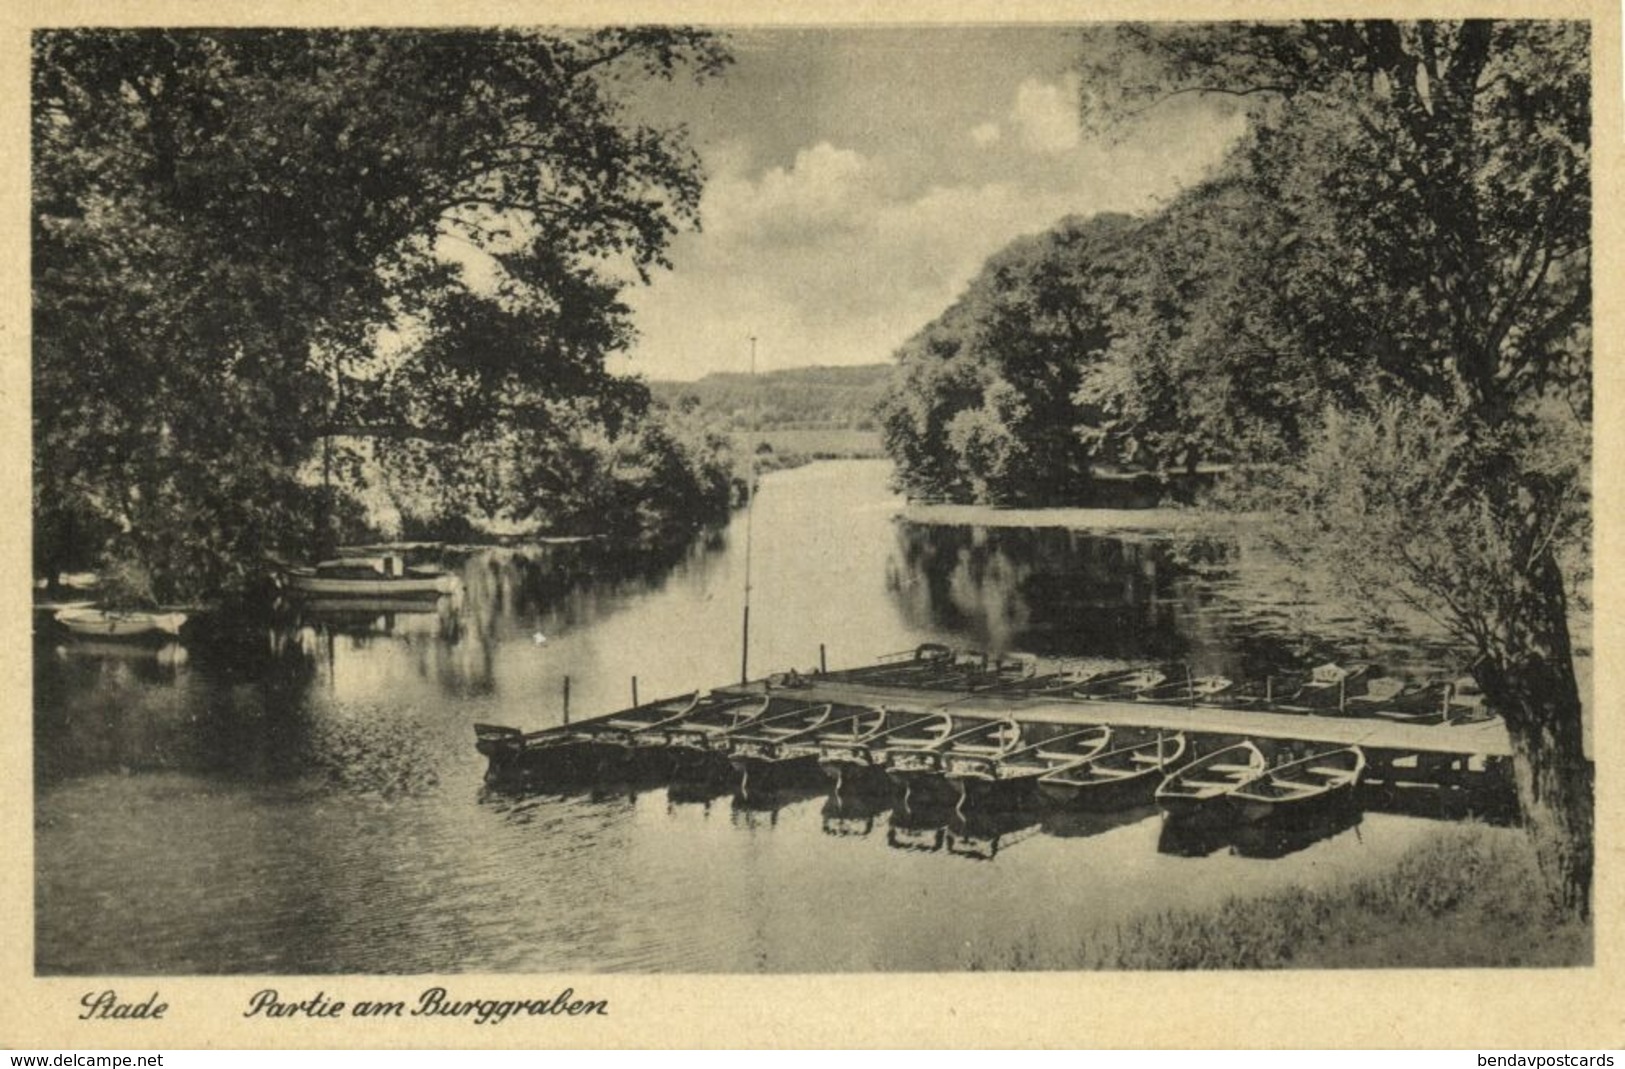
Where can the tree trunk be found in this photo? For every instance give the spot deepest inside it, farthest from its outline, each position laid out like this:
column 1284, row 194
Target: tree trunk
column 1527, row 673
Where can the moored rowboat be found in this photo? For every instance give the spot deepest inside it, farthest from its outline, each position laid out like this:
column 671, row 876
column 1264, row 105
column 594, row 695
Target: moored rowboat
column 1208, row 780
column 1125, row 776
column 1306, row 784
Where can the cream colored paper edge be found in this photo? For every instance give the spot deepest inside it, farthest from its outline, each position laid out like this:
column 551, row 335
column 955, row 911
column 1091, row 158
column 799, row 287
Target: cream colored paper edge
column 1486, row 1010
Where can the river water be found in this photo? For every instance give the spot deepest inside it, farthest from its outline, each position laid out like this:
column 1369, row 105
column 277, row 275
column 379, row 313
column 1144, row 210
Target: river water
column 305, row 797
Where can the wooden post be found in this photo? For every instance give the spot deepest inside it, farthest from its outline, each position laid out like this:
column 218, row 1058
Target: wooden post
column 566, row 699
column 1269, row 689
column 1342, row 693
column 634, row 692
column 823, row 668
column 1190, row 689
column 744, row 648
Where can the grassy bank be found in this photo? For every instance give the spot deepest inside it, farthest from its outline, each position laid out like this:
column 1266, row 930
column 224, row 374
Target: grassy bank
column 1464, row 899
column 779, row 448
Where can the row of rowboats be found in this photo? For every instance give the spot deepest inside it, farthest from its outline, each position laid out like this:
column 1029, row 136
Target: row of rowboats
column 988, row 761
column 1356, row 689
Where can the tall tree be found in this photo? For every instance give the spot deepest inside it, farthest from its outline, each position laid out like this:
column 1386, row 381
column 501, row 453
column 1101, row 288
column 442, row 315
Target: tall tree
column 1435, row 179
column 248, row 241
column 984, row 402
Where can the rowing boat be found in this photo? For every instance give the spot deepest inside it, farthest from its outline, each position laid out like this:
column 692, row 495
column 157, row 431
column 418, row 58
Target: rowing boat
column 786, row 749
column 110, row 623
column 569, row 751
column 702, row 730
column 1125, row 776
column 1009, row 777
column 1394, row 699
column 1205, row 782
column 1305, row 785
column 1329, row 689
column 1125, row 683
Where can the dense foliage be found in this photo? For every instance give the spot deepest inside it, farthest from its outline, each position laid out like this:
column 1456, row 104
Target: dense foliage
column 250, row 246
column 984, row 403
column 1381, row 305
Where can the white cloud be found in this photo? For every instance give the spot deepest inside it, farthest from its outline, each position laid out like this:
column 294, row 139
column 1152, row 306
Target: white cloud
column 985, row 134
column 836, row 259
column 1046, row 115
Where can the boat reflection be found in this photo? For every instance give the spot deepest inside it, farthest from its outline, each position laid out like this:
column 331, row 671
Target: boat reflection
column 982, row 833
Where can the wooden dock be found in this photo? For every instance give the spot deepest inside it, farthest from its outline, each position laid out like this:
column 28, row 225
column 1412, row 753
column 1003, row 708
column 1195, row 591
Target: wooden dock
column 1481, row 740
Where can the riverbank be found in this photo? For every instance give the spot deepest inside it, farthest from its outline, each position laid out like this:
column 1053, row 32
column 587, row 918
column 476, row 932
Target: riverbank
column 1463, row 899
column 1158, row 520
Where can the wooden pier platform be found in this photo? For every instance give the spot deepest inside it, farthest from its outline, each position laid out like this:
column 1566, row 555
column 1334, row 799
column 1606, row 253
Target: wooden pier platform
column 1487, row 739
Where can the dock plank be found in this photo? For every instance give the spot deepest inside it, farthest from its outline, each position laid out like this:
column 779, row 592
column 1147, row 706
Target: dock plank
column 1487, row 739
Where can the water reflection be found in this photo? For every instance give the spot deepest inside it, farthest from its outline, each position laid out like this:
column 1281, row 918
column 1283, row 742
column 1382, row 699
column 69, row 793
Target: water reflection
column 1132, row 598
column 299, row 793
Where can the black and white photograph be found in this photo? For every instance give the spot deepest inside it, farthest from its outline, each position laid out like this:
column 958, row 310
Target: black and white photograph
column 559, row 500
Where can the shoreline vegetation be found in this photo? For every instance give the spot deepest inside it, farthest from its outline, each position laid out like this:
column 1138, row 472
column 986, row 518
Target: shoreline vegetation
column 1463, row 899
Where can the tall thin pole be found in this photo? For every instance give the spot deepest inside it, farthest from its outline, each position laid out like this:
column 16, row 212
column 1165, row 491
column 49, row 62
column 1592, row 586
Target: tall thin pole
column 750, row 510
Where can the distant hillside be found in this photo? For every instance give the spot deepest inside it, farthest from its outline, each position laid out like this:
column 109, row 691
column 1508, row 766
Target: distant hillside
column 807, row 398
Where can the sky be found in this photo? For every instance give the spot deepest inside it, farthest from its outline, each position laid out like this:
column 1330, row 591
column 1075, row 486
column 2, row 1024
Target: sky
column 857, row 179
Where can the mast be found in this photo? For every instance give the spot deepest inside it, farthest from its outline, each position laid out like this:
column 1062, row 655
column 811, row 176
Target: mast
column 750, row 509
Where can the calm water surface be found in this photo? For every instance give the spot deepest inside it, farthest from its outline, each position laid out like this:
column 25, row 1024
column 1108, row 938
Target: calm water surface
column 304, row 796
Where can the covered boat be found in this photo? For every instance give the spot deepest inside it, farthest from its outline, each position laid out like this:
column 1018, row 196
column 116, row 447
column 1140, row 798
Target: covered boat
column 572, row 751
column 787, row 749
column 1123, row 684
column 1013, row 776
